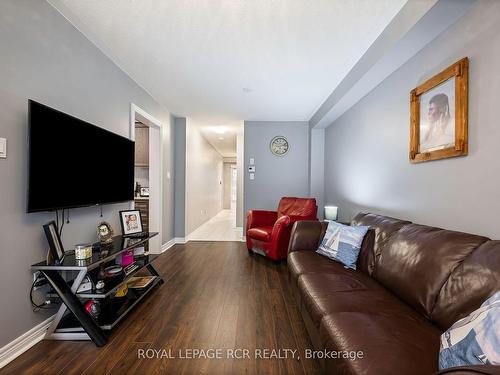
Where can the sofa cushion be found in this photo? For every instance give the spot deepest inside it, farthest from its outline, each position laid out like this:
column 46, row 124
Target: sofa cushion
column 323, row 294
column 384, row 227
column 470, row 283
column 301, row 262
column 391, row 345
column 297, row 207
column 260, row 233
column 418, row 260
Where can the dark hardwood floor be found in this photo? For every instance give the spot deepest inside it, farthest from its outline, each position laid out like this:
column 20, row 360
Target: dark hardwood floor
column 215, row 296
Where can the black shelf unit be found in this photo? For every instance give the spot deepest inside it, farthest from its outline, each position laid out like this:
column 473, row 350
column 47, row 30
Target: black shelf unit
column 113, row 284
column 112, row 311
column 72, row 322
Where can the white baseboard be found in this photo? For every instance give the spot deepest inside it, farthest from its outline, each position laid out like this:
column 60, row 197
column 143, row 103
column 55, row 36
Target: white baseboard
column 167, row 245
column 174, row 241
column 181, row 240
column 19, row 345
column 184, row 240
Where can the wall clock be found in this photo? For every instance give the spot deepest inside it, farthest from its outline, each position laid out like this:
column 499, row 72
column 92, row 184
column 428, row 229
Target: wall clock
column 279, row 145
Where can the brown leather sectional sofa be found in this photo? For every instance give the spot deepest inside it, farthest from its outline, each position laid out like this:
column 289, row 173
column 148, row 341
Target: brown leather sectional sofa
column 412, row 282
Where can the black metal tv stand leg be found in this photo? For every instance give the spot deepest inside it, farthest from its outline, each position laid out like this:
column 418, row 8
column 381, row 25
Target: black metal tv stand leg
column 153, row 272
column 75, row 306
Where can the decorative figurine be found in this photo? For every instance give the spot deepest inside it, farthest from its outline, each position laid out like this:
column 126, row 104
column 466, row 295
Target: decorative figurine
column 105, row 233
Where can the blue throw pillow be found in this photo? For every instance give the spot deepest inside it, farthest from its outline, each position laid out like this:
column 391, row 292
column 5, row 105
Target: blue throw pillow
column 475, row 339
column 342, row 243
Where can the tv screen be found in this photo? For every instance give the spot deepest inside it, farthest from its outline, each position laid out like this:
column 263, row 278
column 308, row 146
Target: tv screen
column 73, row 163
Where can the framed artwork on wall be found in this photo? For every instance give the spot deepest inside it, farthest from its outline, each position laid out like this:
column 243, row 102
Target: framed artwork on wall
column 439, row 114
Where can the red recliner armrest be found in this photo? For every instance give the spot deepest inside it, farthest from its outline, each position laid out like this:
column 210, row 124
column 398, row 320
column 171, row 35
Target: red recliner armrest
column 261, row 218
column 289, row 220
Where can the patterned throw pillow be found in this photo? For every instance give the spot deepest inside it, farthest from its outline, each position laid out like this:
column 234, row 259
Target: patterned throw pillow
column 475, row 339
column 342, row 243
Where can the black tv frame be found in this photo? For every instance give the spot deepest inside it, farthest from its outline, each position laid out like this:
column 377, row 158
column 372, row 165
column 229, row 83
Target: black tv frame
column 52, row 209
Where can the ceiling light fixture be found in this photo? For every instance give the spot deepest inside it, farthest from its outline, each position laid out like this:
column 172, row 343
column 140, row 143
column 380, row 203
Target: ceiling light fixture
column 221, row 138
column 247, row 90
column 219, row 129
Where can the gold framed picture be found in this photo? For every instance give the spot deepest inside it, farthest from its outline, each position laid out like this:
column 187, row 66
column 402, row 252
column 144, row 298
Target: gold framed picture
column 438, row 115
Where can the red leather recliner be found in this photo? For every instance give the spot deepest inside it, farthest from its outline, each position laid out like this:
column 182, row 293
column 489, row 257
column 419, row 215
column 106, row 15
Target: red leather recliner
column 268, row 232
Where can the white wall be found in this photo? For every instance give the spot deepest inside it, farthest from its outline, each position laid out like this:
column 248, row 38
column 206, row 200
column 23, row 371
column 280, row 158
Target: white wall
column 240, row 177
column 203, row 179
column 366, row 162
column 226, row 183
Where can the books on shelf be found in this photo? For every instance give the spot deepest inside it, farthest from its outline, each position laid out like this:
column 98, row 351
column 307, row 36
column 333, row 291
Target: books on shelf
column 140, row 282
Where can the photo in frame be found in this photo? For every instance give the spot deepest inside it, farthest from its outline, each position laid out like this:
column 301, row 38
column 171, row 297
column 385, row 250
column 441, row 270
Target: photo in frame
column 56, row 248
column 144, row 192
column 131, row 221
column 439, row 115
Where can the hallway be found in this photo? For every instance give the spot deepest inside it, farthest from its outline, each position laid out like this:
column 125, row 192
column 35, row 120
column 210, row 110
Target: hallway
column 219, row 228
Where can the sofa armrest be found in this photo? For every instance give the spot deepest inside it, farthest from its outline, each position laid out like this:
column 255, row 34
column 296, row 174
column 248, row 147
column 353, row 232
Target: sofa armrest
column 306, row 235
column 261, row 218
column 294, row 218
column 471, row 370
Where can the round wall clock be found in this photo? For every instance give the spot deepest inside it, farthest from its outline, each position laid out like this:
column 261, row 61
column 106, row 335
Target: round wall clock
column 279, row 145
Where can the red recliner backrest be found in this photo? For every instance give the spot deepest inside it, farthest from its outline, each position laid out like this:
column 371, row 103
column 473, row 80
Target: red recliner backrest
column 297, row 207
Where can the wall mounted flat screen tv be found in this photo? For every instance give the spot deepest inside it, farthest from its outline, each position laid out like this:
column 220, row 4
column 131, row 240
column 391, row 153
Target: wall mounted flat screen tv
column 74, row 164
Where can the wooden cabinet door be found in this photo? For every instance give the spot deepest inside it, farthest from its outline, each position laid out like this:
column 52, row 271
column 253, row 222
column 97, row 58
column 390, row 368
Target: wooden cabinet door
column 142, row 147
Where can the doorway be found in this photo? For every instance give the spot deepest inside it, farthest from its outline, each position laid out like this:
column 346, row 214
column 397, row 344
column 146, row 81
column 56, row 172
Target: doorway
column 222, row 175
column 146, row 131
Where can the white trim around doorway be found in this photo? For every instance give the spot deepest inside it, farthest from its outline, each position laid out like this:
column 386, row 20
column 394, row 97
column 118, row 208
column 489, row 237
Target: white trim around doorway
column 155, row 174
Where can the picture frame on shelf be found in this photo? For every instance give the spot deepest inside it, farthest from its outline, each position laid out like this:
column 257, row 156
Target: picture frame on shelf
column 56, row 248
column 144, row 192
column 131, row 222
column 439, row 115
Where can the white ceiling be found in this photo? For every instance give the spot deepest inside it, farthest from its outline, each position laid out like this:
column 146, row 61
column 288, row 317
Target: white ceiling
column 200, row 57
column 221, row 136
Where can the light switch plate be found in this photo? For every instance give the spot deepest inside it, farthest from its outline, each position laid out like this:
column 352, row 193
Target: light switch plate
column 252, row 161
column 3, row 148
column 252, row 176
column 251, row 169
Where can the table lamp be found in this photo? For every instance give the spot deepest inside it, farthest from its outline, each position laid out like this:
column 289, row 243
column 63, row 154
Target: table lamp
column 331, row 212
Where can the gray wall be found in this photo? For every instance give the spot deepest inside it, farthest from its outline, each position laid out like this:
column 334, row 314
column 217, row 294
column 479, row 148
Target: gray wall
column 46, row 59
column 317, row 168
column 180, row 177
column 366, row 163
column 275, row 176
column 168, row 182
column 203, row 179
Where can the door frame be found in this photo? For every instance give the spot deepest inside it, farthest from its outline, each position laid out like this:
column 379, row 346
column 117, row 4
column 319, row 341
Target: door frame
column 155, row 174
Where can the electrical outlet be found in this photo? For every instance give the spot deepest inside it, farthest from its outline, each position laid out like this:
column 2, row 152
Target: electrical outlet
column 3, row 148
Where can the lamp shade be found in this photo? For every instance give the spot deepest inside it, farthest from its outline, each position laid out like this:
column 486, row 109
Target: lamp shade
column 331, row 212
